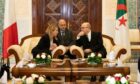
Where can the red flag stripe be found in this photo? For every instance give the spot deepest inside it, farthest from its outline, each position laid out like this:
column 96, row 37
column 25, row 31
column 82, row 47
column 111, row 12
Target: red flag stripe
column 121, row 7
column 10, row 37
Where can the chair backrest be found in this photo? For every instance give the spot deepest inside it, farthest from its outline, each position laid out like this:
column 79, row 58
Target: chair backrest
column 29, row 42
column 108, row 43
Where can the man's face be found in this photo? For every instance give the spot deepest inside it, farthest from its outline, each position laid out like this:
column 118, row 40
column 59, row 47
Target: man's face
column 85, row 28
column 62, row 24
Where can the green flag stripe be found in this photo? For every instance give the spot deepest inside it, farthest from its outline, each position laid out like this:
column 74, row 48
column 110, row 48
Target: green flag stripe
column 122, row 2
column 120, row 13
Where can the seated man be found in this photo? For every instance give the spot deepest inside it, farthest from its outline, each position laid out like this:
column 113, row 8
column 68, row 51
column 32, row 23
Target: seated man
column 91, row 42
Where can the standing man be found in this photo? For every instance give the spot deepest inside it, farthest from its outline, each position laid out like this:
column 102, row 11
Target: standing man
column 91, row 42
column 65, row 37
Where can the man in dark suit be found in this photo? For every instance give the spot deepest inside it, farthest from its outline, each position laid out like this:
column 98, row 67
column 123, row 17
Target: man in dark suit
column 65, row 37
column 91, row 42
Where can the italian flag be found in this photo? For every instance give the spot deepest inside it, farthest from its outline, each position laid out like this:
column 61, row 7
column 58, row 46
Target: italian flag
column 121, row 29
column 10, row 35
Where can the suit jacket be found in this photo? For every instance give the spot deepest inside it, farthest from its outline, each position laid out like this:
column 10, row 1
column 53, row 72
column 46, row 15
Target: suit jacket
column 43, row 45
column 67, row 39
column 96, row 43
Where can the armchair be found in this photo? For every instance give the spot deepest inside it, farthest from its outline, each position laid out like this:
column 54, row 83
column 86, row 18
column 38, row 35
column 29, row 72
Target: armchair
column 111, row 46
column 26, row 45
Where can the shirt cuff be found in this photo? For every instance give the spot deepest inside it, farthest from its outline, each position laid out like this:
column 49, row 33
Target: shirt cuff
column 77, row 37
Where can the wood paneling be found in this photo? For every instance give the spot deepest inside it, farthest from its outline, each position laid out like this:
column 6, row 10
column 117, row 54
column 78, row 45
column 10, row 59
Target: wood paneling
column 95, row 15
column 74, row 11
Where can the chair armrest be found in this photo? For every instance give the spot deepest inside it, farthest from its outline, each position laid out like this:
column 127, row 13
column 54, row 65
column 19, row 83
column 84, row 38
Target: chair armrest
column 60, row 50
column 118, row 50
column 77, row 51
column 17, row 51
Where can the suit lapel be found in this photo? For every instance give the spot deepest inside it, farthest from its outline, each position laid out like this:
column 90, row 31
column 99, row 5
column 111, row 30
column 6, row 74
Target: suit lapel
column 86, row 38
column 92, row 38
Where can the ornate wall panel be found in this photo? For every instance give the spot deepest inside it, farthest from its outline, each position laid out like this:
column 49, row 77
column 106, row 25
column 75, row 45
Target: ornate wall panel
column 79, row 14
column 52, row 11
column 74, row 11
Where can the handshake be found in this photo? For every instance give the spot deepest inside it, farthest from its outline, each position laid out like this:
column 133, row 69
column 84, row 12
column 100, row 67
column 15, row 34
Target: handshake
column 74, row 50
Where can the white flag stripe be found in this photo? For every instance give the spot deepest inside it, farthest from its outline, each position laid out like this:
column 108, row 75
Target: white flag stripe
column 122, row 37
column 9, row 14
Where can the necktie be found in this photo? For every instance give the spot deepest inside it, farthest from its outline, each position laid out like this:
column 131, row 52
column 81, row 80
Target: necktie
column 87, row 37
column 63, row 33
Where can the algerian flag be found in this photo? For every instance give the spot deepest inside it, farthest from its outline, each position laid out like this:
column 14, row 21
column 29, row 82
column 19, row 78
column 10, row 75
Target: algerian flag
column 121, row 29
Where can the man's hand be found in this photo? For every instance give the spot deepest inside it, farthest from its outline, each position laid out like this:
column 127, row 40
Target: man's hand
column 80, row 34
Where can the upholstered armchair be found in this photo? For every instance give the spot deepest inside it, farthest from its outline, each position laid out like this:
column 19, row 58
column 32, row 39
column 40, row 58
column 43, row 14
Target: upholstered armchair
column 111, row 46
column 29, row 42
column 26, row 45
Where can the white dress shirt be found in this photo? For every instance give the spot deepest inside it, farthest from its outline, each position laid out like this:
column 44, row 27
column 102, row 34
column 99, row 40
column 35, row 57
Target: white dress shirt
column 89, row 36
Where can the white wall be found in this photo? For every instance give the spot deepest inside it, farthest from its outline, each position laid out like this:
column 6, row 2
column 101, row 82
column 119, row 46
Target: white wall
column 23, row 10
column 108, row 17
